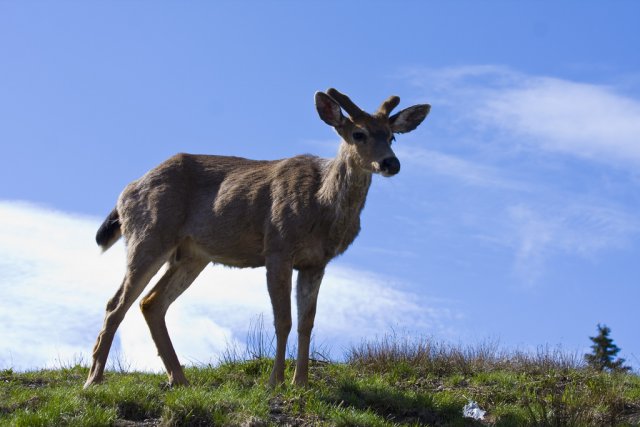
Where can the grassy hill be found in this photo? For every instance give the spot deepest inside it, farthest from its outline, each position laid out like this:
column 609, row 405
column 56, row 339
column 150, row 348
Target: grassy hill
column 384, row 383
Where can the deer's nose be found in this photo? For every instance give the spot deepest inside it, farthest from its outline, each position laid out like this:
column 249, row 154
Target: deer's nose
column 390, row 165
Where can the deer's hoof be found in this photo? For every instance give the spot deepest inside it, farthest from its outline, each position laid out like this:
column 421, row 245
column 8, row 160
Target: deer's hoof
column 90, row 382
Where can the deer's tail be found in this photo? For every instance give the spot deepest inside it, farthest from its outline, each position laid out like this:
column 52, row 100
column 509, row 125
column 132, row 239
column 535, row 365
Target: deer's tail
column 109, row 232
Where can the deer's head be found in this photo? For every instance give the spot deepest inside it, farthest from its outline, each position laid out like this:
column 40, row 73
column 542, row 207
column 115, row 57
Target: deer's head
column 369, row 136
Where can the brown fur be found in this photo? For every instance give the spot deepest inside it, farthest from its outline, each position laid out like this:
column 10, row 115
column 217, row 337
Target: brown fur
column 296, row 213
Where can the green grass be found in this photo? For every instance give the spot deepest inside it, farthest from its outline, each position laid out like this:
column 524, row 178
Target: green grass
column 383, row 383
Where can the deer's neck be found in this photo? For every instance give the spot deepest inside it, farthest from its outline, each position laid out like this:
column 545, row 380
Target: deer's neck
column 344, row 185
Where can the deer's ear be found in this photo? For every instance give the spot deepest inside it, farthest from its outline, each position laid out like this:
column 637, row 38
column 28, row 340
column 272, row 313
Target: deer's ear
column 409, row 118
column 329, row 110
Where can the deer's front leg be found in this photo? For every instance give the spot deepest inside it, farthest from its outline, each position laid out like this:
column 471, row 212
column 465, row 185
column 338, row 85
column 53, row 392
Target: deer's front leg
column 307, row 295
column 279, row 272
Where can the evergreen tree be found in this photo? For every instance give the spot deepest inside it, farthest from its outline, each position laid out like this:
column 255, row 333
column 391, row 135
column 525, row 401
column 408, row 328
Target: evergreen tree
column 604, row 352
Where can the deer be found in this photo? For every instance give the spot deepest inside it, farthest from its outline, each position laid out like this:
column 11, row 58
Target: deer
column 296, row 213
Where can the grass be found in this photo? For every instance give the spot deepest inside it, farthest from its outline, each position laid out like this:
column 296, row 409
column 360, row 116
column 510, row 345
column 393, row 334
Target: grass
column 387, row 382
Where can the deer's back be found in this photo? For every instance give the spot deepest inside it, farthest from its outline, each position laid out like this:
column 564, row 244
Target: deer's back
column 235, row 210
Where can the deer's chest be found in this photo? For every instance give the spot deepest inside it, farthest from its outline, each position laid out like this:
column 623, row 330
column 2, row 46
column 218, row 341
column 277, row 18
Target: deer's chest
column 326, row 240
column 341, row 231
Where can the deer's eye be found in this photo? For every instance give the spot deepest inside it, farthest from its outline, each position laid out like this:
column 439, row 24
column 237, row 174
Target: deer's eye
column 359, row 136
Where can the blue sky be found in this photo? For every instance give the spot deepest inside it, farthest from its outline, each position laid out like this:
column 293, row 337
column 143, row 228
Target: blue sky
column 514, row 218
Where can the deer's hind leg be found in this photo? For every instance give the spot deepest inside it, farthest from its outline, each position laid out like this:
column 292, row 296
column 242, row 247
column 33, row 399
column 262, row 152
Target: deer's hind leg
column 143, row 262
column 183, row 270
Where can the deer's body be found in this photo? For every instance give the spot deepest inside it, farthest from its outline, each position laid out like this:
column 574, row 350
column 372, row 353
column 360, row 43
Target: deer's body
column 278, row 205
column 296, row 213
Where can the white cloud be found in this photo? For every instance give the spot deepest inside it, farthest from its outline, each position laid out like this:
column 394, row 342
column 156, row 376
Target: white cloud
column 558, row 115
column 55, row 285
column 580, row 119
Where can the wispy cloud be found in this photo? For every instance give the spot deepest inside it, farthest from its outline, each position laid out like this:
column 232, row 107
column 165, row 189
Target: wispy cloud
column 55, row 286
column 566, row 153
column 466, row 171
column 537, row 233
column 581, row 119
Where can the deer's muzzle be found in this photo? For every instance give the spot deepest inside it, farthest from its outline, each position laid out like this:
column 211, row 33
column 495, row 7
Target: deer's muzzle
column 390, row 166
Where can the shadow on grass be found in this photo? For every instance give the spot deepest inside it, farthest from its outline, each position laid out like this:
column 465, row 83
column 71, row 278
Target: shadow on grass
column 407, row 408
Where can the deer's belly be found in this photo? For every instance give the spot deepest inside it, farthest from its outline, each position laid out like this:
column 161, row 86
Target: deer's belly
column 234, row 251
